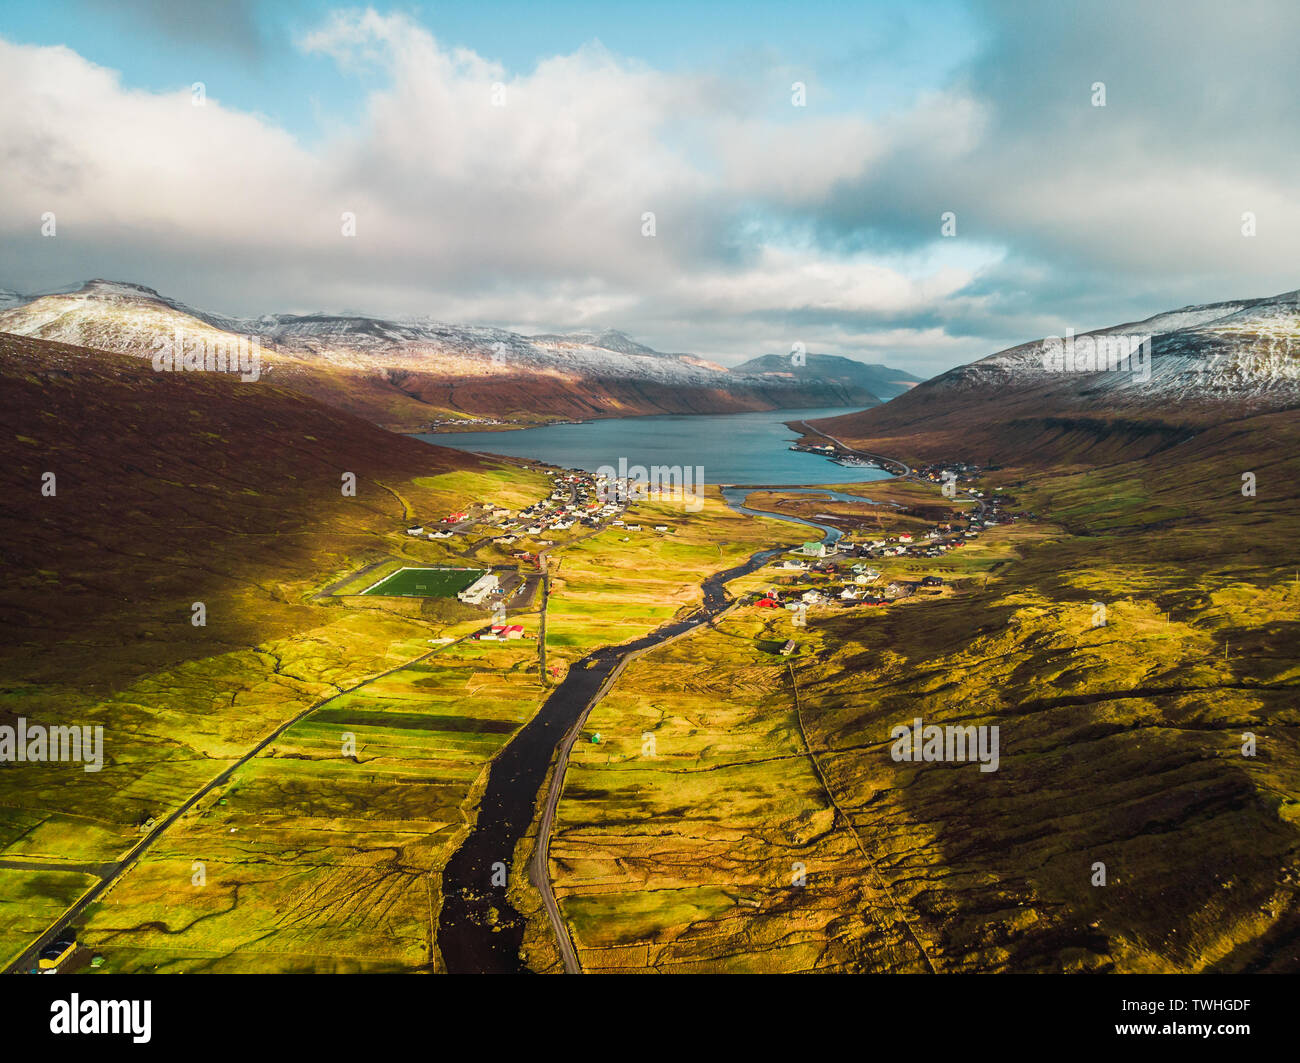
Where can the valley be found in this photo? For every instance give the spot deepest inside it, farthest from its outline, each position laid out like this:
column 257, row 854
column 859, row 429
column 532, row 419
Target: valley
column 341, row 768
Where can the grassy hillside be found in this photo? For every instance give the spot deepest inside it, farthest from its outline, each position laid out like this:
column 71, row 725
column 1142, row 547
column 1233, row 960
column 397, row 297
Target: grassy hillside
column 176, row 489
column 1121, row 744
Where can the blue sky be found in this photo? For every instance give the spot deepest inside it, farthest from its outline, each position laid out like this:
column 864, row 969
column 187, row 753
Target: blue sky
column 869, row 56
column 775, row 223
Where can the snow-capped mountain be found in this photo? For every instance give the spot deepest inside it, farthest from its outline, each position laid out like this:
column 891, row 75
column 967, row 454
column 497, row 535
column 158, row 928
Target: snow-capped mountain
column 416, row 372
column 408, row 344
column 1243, row 351
column 608, row 339
column 110, row 315
column 1116, row 393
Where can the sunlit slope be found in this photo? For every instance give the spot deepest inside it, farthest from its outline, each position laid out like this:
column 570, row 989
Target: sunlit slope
column 172, row 491
column 1123, row 744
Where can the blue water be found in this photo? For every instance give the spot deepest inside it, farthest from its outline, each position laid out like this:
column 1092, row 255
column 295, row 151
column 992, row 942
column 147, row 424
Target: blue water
column 735, row 498
column 735, row 448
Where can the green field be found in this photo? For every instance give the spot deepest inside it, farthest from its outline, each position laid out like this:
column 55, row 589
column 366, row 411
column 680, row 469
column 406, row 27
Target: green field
column 425, row 582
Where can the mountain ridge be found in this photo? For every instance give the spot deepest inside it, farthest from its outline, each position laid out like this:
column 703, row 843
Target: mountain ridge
column 413, row 373
column 1075, row 398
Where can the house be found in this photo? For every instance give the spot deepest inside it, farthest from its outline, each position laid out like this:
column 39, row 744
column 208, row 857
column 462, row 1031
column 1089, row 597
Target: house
column 661, row 527
column 906, row 537
column 54, row 954
column 812, row 597
column 508, row 631
column 768, row 602
column 441, row 535
column 813, row 549
column 790, row 647
column 478, row 591
column 848, row 594
column 932, row 581
column 415, row 530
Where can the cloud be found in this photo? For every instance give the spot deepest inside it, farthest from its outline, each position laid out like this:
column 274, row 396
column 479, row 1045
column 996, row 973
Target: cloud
column 518, row 198
column 229, row 25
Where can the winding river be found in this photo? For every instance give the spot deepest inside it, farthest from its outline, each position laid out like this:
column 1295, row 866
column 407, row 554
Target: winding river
column 478, row 929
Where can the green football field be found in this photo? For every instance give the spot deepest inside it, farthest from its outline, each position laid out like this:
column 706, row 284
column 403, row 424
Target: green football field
column 425, row 582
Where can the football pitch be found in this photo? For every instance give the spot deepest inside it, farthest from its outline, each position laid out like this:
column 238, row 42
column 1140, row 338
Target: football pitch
column 425, row 582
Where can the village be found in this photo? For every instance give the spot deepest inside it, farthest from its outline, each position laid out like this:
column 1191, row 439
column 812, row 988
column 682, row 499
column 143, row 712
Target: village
column 578, row 499
column 844, row 569
column 839, row 570
column 581, row 500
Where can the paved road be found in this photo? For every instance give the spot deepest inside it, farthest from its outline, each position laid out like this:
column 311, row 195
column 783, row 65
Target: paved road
column 539, row 866
column 539, row 871
column 27, row 959
column 880, row 459
column 884, row 462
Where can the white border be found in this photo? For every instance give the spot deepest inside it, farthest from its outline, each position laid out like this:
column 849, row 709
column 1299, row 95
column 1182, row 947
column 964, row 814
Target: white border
column 418, row 568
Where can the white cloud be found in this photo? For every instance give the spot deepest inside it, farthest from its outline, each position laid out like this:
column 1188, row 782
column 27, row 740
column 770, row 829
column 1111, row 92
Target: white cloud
column 771, row 220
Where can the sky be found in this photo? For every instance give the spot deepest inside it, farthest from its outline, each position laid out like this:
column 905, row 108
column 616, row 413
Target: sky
column 501, row 163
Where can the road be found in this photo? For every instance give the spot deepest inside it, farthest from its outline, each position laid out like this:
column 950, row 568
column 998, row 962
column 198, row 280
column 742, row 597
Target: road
column 879, row 459
column 539, row 872
column 27, row 959
column 884, row 462
column 539, row 866
column 479, row 929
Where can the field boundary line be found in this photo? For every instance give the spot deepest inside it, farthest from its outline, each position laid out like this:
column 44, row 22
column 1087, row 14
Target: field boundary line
column 857, row 840
column 135, row 852
column 539, row 864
